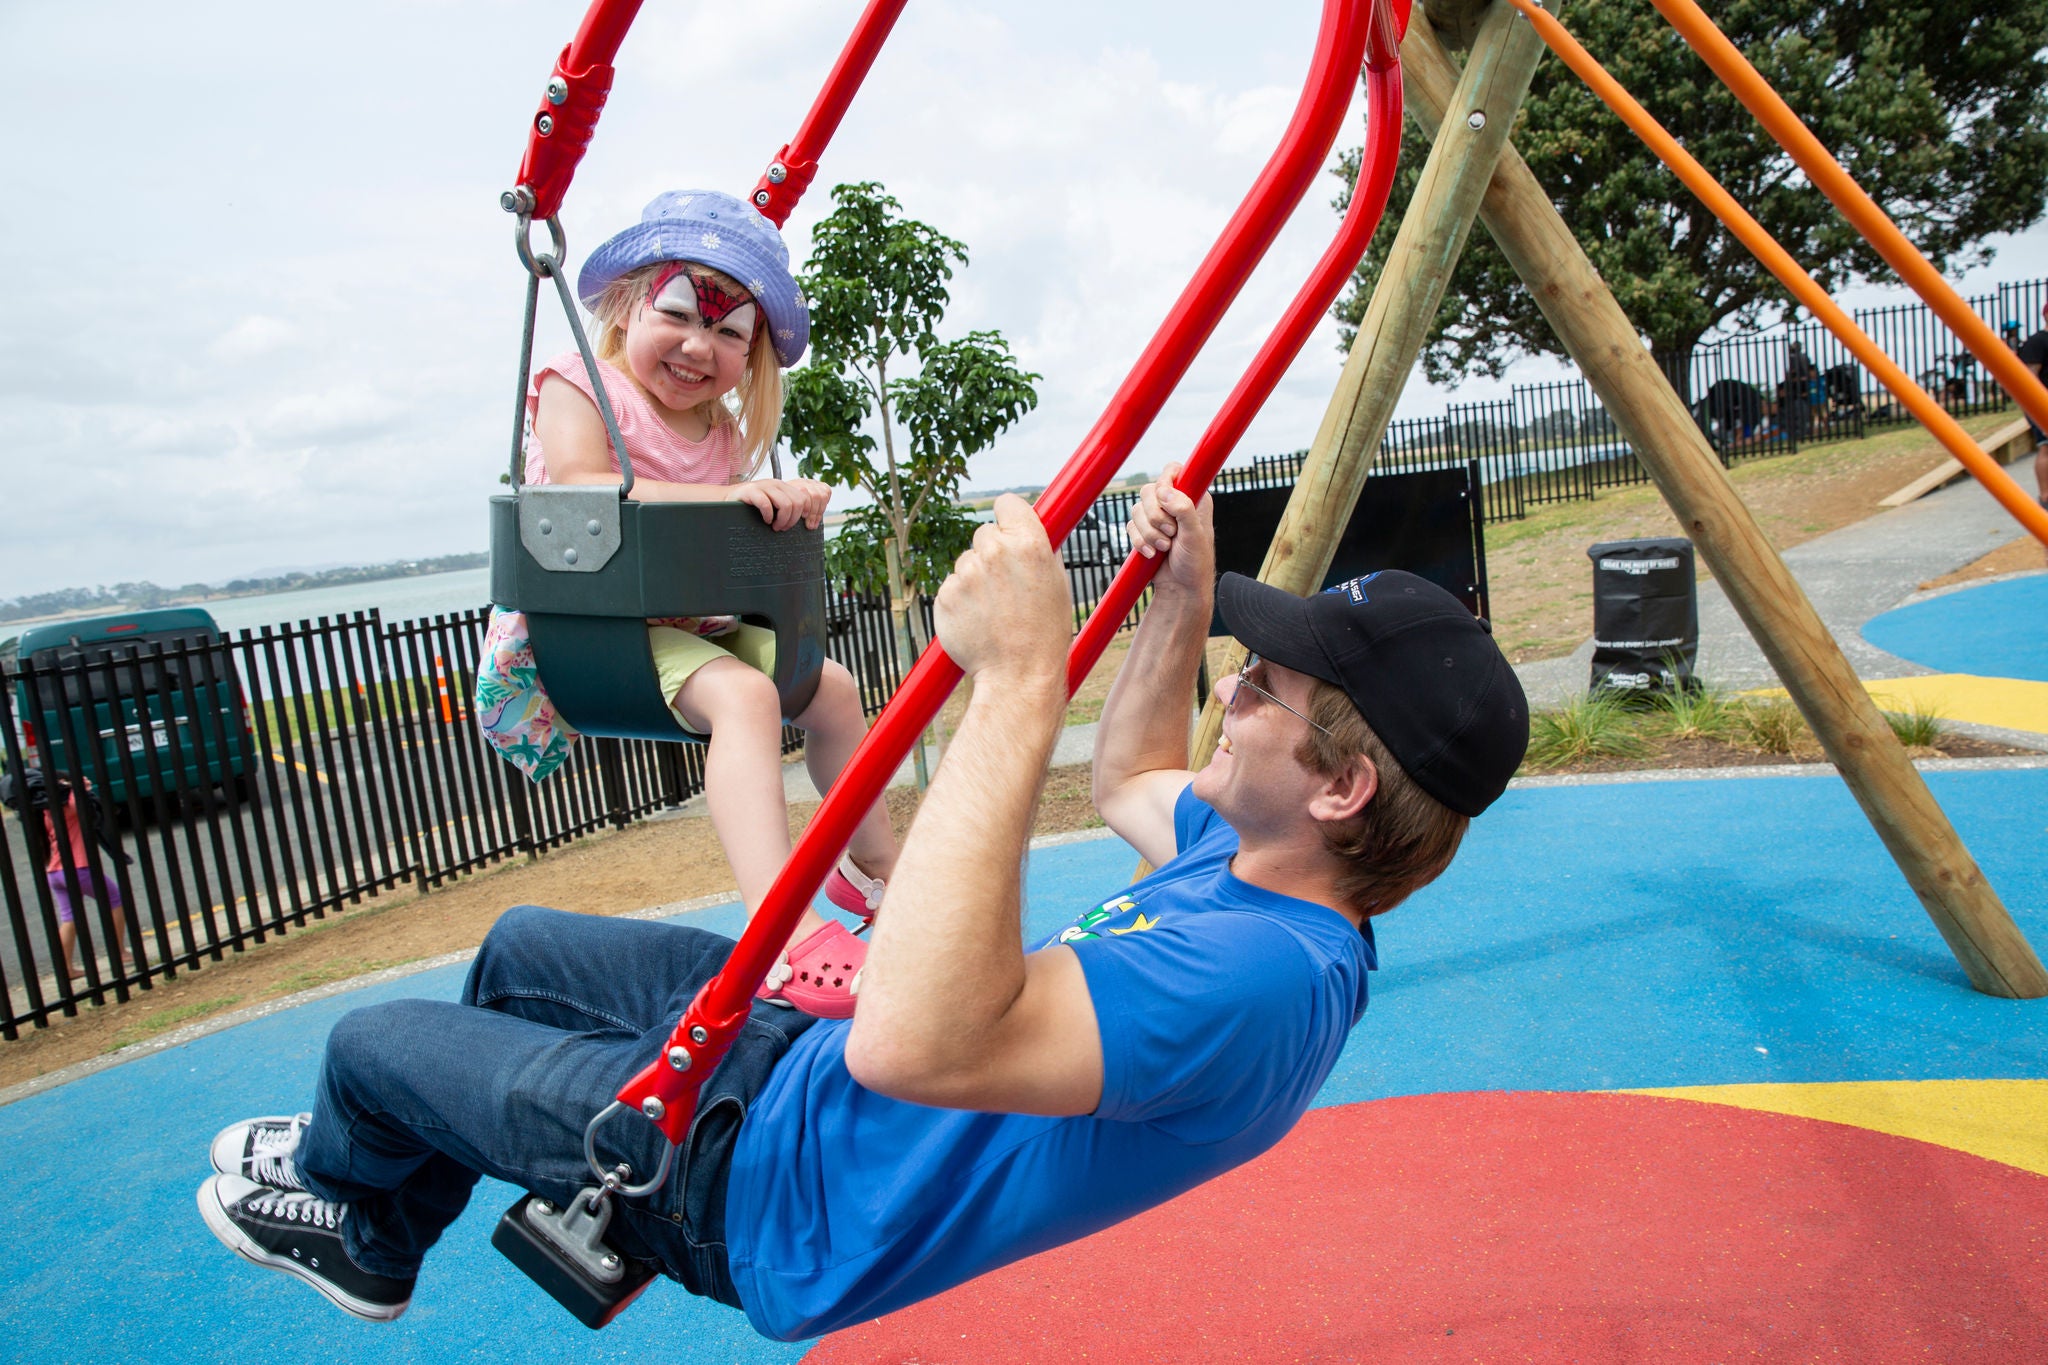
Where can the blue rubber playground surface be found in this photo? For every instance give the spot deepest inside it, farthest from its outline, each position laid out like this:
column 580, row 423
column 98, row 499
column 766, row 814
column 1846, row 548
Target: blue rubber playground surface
column 1589, row 938
column 1993, row 631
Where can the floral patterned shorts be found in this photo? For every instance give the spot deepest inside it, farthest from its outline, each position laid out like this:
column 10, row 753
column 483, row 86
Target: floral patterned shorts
column 513, row 709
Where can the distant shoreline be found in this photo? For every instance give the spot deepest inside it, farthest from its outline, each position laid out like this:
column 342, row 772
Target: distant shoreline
column 276, row 586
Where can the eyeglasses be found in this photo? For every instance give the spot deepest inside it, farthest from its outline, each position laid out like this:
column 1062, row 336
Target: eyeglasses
column 1244, row 681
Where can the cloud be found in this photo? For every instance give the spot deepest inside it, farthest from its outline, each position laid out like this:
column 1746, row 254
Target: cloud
column 282, row 326
column 253, row 337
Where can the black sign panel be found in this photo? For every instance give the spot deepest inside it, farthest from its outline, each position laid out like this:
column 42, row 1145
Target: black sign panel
column 1426, row 522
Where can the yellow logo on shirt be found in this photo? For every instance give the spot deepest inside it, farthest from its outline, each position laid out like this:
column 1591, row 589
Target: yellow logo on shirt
column 1089, row 925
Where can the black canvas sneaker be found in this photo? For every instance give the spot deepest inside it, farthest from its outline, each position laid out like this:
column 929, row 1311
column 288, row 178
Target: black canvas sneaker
column 299, row 1233
column 261, row 1150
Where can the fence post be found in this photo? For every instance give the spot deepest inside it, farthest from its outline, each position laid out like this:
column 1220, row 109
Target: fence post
column 611, row 774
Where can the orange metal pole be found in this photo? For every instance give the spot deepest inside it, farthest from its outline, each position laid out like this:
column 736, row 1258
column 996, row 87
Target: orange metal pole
column 1779, row 262
column 1859, row 208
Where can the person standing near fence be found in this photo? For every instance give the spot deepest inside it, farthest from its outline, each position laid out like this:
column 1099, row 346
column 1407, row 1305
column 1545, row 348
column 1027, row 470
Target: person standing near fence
column 1795, row 393
column 65, row 827
column 2034, row 355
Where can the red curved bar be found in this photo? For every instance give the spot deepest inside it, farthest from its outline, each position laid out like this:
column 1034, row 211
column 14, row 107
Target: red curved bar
column 1361, row 220
column 799, row 156
column 701, row 1037
column 585, row 71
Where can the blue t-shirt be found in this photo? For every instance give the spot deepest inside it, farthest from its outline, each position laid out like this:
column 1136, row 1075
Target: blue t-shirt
column 1222, row 1007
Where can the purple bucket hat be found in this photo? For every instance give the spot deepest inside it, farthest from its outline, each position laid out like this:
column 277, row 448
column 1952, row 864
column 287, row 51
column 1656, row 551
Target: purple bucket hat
column 720, row 231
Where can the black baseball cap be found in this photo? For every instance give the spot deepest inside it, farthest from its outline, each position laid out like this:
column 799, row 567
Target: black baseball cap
column 1423, row 671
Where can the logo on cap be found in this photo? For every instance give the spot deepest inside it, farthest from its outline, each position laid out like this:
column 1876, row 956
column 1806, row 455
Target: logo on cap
column 1355, row 589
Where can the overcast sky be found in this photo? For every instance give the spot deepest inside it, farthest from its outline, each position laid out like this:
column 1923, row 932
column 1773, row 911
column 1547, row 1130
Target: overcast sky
column 265, row 309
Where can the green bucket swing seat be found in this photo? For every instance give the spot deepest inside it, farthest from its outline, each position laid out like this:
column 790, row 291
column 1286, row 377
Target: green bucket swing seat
column 589, row 569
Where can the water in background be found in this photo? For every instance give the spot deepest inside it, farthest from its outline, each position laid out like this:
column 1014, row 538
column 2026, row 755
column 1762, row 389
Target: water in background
column 399, row 599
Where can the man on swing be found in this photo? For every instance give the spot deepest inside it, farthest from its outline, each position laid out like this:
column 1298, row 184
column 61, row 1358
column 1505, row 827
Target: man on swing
column 985, row 1102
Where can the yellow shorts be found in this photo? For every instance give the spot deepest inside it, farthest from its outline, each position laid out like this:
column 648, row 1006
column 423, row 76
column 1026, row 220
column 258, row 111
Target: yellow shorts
column 678, row 653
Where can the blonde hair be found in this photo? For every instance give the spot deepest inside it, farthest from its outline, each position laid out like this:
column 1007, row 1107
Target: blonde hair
column 755, row 405
column 1404, row 838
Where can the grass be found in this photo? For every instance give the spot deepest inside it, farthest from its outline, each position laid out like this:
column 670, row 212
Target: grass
column 1918, row 728
column 1696, row 713
column 338, row 969
column 150, row 1025
column 1587, row 726
column 1773, row 727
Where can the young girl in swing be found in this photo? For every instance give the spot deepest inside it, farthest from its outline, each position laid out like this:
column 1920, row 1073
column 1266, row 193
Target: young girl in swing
column 694, row 308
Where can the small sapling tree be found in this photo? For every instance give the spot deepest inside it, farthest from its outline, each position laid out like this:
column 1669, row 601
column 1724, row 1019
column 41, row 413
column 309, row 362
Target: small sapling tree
column 885, row 406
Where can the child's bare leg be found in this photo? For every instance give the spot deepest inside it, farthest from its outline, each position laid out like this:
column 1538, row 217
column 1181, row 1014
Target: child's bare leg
column 737, row 707
column 833, row 726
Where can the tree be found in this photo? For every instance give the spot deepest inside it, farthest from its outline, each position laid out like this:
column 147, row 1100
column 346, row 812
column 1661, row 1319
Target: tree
column 877, row 285
column 1940, row 111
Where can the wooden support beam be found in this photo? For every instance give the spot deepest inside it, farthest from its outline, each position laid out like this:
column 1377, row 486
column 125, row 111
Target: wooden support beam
column 1580, row 308
column 1456, row 21
column 1397, row 319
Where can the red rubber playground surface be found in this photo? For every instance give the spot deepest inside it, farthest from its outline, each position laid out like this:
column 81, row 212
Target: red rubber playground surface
column 1846, row 1159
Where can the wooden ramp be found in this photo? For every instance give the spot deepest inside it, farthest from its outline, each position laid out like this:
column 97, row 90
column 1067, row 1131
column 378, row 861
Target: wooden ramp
column 2010, row 442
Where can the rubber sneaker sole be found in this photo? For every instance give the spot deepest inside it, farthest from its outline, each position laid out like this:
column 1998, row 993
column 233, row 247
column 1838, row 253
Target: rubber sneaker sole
column 217, row 1194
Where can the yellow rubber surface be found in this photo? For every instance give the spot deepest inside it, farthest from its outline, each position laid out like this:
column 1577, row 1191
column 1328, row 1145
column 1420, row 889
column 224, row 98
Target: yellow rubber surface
column 2004, row 1121
column 2010, row 703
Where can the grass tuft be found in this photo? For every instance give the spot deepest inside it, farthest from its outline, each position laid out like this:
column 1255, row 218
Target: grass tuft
column 1695, row 713
column 1775, row 727
column 1918, row 728
column 1585, row 727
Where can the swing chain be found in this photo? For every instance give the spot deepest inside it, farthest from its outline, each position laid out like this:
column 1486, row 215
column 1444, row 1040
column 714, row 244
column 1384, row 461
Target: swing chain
column 549, row 265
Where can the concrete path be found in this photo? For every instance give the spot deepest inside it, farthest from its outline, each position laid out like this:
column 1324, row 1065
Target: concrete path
column 1851, row 575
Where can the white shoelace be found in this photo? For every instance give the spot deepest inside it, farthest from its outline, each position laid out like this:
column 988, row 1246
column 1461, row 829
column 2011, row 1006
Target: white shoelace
column 299, row 1206
column 270, row 1154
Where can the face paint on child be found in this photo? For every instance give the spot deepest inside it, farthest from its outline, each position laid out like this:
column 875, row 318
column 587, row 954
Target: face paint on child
column 688, row 295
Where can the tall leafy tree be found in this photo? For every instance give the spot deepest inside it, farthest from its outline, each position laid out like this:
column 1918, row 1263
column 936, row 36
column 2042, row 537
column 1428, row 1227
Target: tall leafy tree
column 884, row 405
column 1939, row 109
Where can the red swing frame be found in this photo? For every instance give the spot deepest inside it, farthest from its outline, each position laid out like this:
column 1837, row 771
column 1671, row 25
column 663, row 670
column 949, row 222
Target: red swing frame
column 1352, row 33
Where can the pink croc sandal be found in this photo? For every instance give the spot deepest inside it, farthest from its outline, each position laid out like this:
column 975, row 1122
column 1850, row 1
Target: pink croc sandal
column 854, row 891
column 820, row 975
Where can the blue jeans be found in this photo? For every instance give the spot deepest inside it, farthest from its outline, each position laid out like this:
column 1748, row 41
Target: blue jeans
column 418, row 1097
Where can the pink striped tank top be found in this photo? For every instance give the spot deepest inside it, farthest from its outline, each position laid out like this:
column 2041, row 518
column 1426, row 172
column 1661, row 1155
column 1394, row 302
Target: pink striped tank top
column 658, row 452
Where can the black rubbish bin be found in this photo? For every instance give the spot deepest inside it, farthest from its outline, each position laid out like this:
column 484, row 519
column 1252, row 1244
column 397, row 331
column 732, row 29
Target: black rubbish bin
column 1646, row 615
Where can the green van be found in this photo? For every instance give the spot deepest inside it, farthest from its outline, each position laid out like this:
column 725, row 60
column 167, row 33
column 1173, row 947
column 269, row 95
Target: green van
column 155, row 706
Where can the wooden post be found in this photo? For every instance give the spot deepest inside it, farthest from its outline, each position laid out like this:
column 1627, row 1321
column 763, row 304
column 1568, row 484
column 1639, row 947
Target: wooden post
column 1579, row 307
column 1455, row 21
column 1426, row 250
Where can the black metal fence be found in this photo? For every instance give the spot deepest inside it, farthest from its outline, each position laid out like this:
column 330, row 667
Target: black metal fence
column 227, row 792
column 1757, row 395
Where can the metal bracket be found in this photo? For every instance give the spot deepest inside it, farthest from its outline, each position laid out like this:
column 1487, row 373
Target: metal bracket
column 578, row 1233
column 569, row 528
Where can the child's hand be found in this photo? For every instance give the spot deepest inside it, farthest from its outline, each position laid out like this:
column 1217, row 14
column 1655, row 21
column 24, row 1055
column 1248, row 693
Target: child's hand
column 783, row 503
column 1166, row 521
